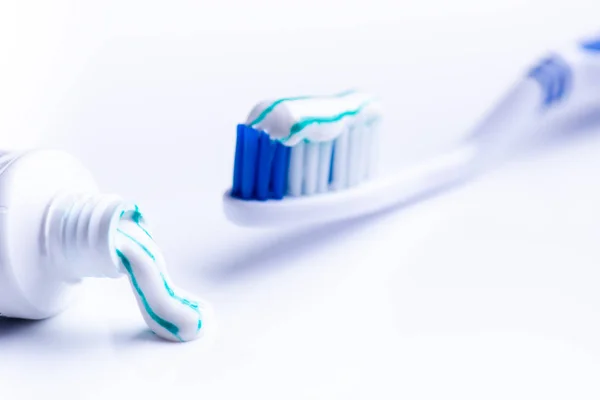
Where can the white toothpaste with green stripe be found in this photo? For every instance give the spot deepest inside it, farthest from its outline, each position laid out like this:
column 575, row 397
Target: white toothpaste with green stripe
column 313, row 118
column 167, row 310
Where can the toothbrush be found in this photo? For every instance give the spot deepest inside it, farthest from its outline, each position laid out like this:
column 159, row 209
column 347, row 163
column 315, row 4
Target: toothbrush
column 311, row 159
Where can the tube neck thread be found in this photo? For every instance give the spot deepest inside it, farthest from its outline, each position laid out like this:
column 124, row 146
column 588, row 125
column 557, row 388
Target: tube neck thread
column 79, row 235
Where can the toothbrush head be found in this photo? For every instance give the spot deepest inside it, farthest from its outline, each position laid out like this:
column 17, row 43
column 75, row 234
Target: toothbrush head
column 303, row 146
column 299, row 147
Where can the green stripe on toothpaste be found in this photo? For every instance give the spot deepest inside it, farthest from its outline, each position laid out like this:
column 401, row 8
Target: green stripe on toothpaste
column 151, row 277
column 269, row 109
column 170, row 327
column 303, row 123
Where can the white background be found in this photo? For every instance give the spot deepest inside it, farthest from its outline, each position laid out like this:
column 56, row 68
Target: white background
column 486, row 292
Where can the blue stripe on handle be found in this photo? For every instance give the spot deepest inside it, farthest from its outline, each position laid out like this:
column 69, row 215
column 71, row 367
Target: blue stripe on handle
column 591, row 45
column 554, row 76
column 555, row 80
column 541, row 79
column 560, row 85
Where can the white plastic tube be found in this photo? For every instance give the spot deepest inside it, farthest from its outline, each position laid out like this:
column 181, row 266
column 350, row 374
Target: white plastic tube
column 40, row 256
column 56, row 228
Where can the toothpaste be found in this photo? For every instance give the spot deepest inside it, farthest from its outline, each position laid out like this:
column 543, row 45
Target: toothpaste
column 170, row 313
column 314, row 118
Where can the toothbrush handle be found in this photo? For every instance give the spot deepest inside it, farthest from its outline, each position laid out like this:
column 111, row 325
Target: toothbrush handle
column 560, row 82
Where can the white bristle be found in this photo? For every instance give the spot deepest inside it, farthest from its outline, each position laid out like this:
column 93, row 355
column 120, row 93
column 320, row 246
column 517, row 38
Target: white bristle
column 353, row 165
column 325, row 150
column 363, row 153
column 296, row 170
column 354, row 155
column 311, row 168
column 373, row 151
column 340, row 164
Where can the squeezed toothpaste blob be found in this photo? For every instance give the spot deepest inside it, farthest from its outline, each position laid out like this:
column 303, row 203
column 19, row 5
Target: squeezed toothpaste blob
column 170, row 312
column 313, row 118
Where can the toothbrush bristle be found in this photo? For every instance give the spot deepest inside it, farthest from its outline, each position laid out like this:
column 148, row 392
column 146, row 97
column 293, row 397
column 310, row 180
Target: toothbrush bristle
column 260, row 170
column 266, row 169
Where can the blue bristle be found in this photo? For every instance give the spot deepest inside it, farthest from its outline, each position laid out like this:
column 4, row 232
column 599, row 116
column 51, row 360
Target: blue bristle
column 279, row 171
column 249, row 161
column 266, row 149
column 261, row 166
column 237, row 167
